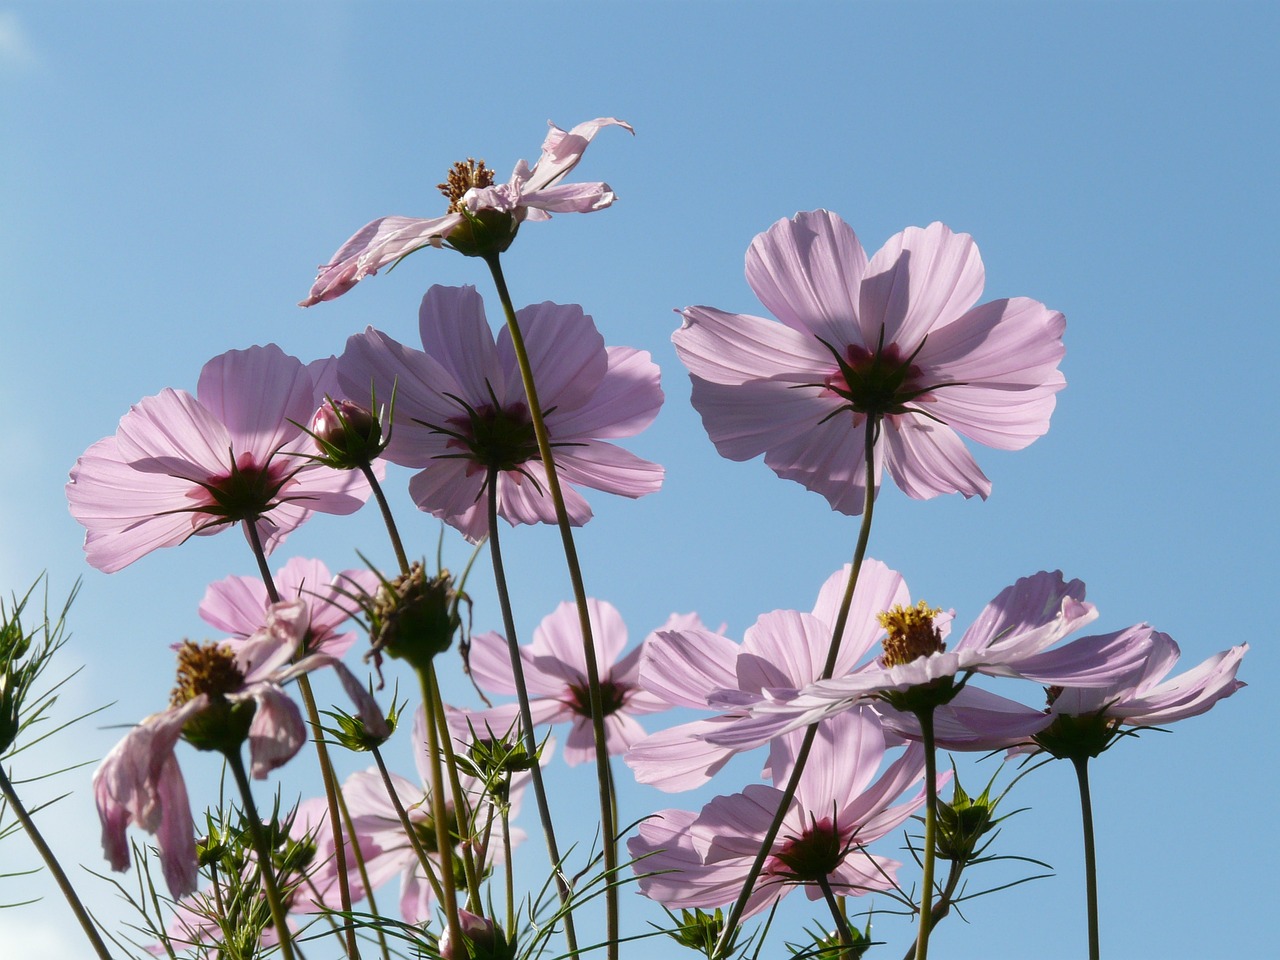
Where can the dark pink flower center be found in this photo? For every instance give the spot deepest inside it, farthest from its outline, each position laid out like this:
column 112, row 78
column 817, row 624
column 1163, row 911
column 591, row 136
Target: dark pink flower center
column 613, row 697
column 812, row 856
column 875, row 383
column 490, row 435
column 248, row 490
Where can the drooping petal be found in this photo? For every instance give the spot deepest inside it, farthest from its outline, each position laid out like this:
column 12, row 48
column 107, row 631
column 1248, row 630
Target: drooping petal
column 372, row 247
column 562, row 150
column 277, row 732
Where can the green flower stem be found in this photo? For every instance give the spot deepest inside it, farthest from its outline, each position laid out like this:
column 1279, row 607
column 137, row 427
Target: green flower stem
column 930, row 830
column 428, row 867
column 358, row 856
column 508, row 872
column 871, row 433
column 1090, row 857
column 266, row 871
column 608, row 827
column 322, row 752
column 392, row 530
column 55, row 868
column 461, row 801
column 439, row 814
column 941, row 906
column 526, row 716
column 837, row 913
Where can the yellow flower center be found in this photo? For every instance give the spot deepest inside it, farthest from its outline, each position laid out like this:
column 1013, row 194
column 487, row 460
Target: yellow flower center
column 912, row 634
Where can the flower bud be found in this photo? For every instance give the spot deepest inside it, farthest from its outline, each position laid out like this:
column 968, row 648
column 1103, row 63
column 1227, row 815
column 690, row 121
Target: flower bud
column 348, row 435
column 484, row 940
column 414, row 617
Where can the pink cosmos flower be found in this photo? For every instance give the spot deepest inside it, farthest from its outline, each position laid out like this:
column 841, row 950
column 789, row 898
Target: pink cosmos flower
column 181, row 465
column 784, row 649
column 388, row 851
column 895, row 340
column 1010, row 638
column 555, row 672
column 140, row 782
column 532, row 193
column 1091, row 718
column 239, row 605
column 460, row 409
column 687, row 861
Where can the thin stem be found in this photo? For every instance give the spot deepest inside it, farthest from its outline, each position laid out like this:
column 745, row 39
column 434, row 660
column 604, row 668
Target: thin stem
column 427, row 867
column 607, row 823
column 461, row 802
column 842, row 922
column 1090, row 858
column 396, row 543
column 925, row 717
column 509, row 872
column 439, row 814
column 526, row 714
column 358, row 855
column 265, row 869
column 941, row 906
column 55, row 868
column 833, row 650
column 322, row 752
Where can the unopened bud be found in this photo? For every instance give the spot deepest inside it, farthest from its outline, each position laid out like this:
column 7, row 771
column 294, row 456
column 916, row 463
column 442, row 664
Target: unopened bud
column 484, row 940
column 348, row 435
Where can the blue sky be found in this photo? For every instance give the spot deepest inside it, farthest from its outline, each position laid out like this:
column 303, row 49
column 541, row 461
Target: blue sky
column 170, row 174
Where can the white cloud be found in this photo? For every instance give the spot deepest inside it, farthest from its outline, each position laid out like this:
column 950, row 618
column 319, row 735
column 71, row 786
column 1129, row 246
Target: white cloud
column 16, row 51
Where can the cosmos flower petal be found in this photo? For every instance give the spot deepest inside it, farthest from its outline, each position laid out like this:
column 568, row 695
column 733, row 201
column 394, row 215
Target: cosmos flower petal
column 372, row 247
column 926, row 459
column 918, row 282
column 806, row 271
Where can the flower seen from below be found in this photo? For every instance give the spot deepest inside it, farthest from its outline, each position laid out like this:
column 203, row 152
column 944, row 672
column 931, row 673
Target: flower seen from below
column 181, row 465
column 894, row 344
column 689, row 861
column 482, row 215
column 460, row 409
column 555, row 671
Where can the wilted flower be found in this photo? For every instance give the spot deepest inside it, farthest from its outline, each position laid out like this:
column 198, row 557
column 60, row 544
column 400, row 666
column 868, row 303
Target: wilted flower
column 181, row 465
column 461, row 409
column 894, row 344
column 224, row 697
column 1087, row 720
column 482, row 216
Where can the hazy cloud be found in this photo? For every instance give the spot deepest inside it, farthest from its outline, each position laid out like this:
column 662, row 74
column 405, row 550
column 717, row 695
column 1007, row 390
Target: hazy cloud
column 16, row 51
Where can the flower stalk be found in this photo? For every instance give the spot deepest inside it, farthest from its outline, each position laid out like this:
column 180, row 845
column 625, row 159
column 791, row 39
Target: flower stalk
column 563, row 890
column 608, row 827
column 729, row 932
column 1081, row 765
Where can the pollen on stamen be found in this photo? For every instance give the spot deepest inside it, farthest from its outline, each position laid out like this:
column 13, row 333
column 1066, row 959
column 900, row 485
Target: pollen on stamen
column 464, row 175
column 912, row 634
column 205, row 668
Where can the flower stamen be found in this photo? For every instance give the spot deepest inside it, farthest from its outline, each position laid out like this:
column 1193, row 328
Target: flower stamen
column 207, row 668
column 462, row 177
column 912, row 634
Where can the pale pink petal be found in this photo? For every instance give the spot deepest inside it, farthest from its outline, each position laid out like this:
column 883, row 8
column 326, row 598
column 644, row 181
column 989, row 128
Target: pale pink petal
column 566, row 354
column 734, row 348
column 625, row 402
column 277, row 732
column 602, row 466
column 807, row 271
column 256, row 393
column 918, row 282
column 562, row 150
column 926, row 458
column 372, row 247
column 455, row 333
column 678, row 758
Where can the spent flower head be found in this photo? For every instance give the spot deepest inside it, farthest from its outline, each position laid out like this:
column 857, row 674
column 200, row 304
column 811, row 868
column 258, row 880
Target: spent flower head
column 482, row 215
